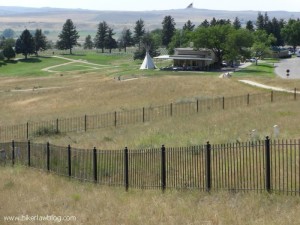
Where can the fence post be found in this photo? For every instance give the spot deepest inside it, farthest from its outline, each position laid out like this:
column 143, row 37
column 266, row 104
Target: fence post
column 272, row 97
column 143, row 114
column 28, row 153
column 115, row 118
column 171, row 109
column 95, row 164
column 223, row 102
column 295, row 94
column 27, row 130
column 69, row 161
column 248, row 99
column 85, row 123
column 57, row 130
column 208, row 167
column 163, row 168
column 48, row 156
column 13, row 152
column 126, row 168
column 197, row 105
column 268, row 164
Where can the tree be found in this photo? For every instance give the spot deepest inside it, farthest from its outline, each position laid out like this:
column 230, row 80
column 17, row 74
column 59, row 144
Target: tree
column 188, row 26
column 8, row 33
column 40, row 41
column 110, row 42
column 126, row 39
column 262, row 43
column 147, row 44
column 237, row 23
column 205, row 23
column 139, row 32
column 25, row 44
column 249, row 25
column 260, row 22
column 213, row 22
column 239, row 45
column 88, row 43
column 101, row 36
column 68, row 36
column 214, row 38
column 291, row 33
column 168, row 30
column 7, row 42
column 8, row 52
column 181, row 38
column 275, row 27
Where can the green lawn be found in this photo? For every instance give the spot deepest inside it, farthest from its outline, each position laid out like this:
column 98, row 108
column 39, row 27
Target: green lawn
column 31, row 67
column 263, row 69
column 119, row 64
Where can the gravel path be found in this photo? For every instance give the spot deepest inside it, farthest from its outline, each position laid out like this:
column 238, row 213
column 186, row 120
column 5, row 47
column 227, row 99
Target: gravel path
column 267, row 86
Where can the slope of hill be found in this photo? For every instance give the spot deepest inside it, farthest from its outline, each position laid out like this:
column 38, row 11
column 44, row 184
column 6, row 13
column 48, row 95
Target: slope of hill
column 19, row 18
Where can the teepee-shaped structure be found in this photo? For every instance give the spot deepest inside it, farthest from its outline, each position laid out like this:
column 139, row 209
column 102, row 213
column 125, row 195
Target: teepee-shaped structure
column 147, row 63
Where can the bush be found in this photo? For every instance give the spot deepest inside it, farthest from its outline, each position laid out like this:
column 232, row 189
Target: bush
column 46, row 131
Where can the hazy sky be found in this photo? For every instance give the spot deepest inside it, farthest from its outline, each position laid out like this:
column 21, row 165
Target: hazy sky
column 138, row 5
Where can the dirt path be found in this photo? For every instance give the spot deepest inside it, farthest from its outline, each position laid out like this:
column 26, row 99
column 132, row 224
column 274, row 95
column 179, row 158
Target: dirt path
column 267, row 87
column 93, row 66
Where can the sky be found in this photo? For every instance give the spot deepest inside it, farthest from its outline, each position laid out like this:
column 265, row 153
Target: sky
column 141, row 5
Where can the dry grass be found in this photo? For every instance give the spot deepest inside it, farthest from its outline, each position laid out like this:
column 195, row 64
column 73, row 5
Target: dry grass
column 29, row 192
column 231, row 125
column 94, row 93
column 77, row 94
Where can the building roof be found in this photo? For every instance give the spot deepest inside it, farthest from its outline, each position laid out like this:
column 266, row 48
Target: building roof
column 183, row 57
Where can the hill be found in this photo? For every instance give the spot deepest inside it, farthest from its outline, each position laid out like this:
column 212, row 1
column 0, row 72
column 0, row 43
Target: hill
column 52, row 19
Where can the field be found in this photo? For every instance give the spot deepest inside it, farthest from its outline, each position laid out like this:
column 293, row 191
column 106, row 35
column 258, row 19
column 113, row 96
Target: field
column 90, row 86
column 43, row 194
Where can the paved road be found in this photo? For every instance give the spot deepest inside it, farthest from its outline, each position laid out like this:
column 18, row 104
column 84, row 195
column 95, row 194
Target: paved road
column 292, row 64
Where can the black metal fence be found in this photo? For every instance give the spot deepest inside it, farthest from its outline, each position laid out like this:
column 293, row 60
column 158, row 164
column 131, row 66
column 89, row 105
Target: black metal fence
column 89, row 122
column 272, row 166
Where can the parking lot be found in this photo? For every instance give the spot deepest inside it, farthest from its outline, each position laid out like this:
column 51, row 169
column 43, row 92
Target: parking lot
column 292, row 64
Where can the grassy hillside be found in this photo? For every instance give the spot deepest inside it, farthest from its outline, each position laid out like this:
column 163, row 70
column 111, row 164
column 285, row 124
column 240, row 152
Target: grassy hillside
column 52, row 19
column 42, row 194
column 77, row 89
column 29, row 93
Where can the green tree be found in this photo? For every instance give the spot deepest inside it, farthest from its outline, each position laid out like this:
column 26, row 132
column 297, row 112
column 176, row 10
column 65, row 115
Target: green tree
column 4, row 42
column 147, row 44
column 188, row 26
column 237, row 23
column 25, row 44
column 213, row 22
column 181, row 38
column 291, row 33
column 68, row 36
column 249, row 25
column 239, row 45
column 214, row 38
column 262, row 43
column 139, row 31
column 168, row 30
column 101, row 36
column 40, row 41
column 205, row 23
column 260, row 22
column 8, row 52
column 110, row 42
column 275, row 27
column 88, row 43
column 126, row 39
